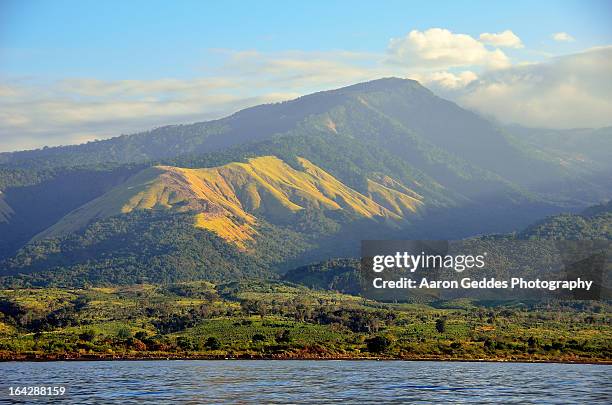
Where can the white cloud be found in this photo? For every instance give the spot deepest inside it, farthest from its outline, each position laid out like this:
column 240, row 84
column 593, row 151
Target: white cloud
column 441, row 49
column 565, row 92
column 503, row 39
column 82, row 109
column 443, row 80
column 306, row 71
column 562, row 37
column 126, row 88
column 76, row 111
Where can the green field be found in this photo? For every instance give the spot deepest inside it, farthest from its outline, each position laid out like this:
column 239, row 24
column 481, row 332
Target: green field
column 282, row 320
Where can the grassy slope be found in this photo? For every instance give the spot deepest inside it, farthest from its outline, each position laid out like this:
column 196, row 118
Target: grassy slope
column 229, row 198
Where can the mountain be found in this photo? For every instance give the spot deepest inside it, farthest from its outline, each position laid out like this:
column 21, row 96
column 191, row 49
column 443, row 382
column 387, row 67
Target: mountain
column 401, row 115
column 164, row 224
column 593, row 223
column 276, row 186
column 597, row 209
column 246, row 126
column 342, row 274
column 580, row 147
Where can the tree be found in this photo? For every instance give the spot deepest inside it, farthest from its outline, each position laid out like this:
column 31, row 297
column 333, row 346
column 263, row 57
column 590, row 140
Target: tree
column 186, row 343
column 532, row 342
column 441, row 325
column 284, row 336
column 378, row 344
column 88, row 335
column 212, row 343
column 250, row 307
column 302, row 311
column 258, row 337
column 261, row 309
column 124, row 333
column 138, row 345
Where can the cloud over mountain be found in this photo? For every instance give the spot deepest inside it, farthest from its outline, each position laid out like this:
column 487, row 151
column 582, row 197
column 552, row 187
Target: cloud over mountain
column 565, row 92
column 441, row 48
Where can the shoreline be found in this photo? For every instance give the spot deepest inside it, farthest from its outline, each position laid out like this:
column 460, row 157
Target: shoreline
column 167, row 357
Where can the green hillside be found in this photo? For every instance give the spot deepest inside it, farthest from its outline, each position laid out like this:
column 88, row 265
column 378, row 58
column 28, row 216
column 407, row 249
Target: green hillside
column 593, row 223
column 144, row 246
column 342, row 274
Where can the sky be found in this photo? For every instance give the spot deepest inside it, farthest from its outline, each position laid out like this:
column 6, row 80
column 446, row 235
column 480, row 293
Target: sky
column 75, row 71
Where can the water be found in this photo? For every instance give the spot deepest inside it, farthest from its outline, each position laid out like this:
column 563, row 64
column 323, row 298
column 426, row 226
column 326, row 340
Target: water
column 267, row 382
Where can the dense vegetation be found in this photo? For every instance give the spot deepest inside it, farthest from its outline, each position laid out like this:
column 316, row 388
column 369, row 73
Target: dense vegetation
column 335, row 274
column 278, row 320
column 146, row 246
column 39, row 198
column 594, row 223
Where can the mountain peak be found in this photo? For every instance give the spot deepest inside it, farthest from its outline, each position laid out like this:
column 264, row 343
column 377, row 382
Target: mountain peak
column 385, row 84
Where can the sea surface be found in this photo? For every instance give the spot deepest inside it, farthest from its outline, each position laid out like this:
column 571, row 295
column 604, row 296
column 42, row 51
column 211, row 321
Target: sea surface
column 316, row 382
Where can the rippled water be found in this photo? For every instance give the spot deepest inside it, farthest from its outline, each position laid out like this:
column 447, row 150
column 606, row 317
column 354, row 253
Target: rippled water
column 235, row 381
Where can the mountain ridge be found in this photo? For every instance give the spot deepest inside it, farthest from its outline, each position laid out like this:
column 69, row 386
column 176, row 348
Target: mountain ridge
column 399, row 114
column 278, row 109
column 227, row 199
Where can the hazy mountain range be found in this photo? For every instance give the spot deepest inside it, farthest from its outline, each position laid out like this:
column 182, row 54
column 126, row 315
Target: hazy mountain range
column 277, row 186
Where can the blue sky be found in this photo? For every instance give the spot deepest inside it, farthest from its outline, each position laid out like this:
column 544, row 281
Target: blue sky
column 75, row 71
column 153, row 39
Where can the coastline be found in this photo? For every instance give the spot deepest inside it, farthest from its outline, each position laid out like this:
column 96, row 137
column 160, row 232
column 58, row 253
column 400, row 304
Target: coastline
column 34, row 357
